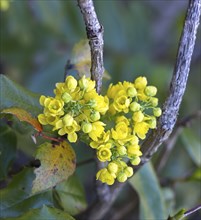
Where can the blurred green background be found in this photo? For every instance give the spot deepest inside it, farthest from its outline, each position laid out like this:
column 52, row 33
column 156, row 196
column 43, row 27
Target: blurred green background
column 141, row 38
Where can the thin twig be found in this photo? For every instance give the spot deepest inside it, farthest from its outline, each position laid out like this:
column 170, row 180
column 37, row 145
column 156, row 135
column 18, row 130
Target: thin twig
column 168, row 119
column 189, row 212
column 171, row 106
column 95, row 35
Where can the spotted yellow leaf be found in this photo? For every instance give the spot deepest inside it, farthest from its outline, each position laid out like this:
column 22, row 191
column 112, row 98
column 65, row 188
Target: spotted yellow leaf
column 57, row 164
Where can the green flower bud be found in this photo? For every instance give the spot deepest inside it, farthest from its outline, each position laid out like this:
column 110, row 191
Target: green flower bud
column 150, row 90
column 153, row 101
column 134, row 106
column 122, row 177
column 112, row 167
column 128, row 171
column 121, row 150
column 135, row 161
column 83, row 83
column 152, row 122
column 68, row 120
column 95, row 116
column 131, row 92
column 157, row 112
column 86, row 127
column 66, row 97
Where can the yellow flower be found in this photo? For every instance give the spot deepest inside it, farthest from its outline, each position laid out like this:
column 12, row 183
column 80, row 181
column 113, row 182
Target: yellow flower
column 52, row 106
column 134, row 150
column 120, row 132
column 47, row 119
column 122, row 119
column 68, row 120
column 71, row 83
column 105, row 176
column 121, row 103
column 86, row 83
column 97, row 129
column 131, row 92
column 104, row 154
column 141, row 129
column 140, row 82
column 121, row 150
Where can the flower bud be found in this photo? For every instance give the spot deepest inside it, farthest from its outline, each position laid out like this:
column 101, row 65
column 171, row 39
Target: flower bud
column 157, row 112
column 128, row 171
column 152, row 122
column 95, row 116
column 131, row 92
column 83, row 83
column 153, row 101
column 122, row 177
column 66, row 97
column 135, row 161
column 150, row 90
column 112, row 167
column 134, row 106
column 86, row 127
column 140, row 82
column 71, row 83
column 121, row 150
column 138, row 116
column 68, row 120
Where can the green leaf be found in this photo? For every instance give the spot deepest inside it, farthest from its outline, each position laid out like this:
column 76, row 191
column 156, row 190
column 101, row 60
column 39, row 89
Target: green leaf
column 196, row 176
column 179, row 215
column 192, row 145
column 8, row 145
column 16, row 198
column 45, row 213
column 14, row 95
column 152, row 204
column 70, row 196
column 57, row 164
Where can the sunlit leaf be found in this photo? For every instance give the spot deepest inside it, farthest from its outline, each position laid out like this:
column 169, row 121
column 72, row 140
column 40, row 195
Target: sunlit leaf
column 57, row 164
column 23, row 115
column 45, row 213
column 196, row 176
column 14, row 95
column 81, row 58
column 192, row 145
column 70, row 196
column 152, row 204
column 178, row 216
column 16, row 198
column 8, row 145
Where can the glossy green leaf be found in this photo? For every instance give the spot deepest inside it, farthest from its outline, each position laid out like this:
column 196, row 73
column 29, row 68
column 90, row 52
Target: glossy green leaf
column 70, row 196
column 178, row 216
column 16, row 198
column 152, row 205
column 44, row 213
column 192, row 145
column 14, row 95
column 57, row 164
column 8, row 145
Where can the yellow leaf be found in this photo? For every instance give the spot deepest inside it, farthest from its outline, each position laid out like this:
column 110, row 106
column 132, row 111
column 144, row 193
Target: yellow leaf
column 23, row 115
column 57, row 164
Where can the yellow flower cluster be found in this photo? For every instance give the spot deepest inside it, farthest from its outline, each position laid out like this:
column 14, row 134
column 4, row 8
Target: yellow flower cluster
column 76, row 107
column 113, row 124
